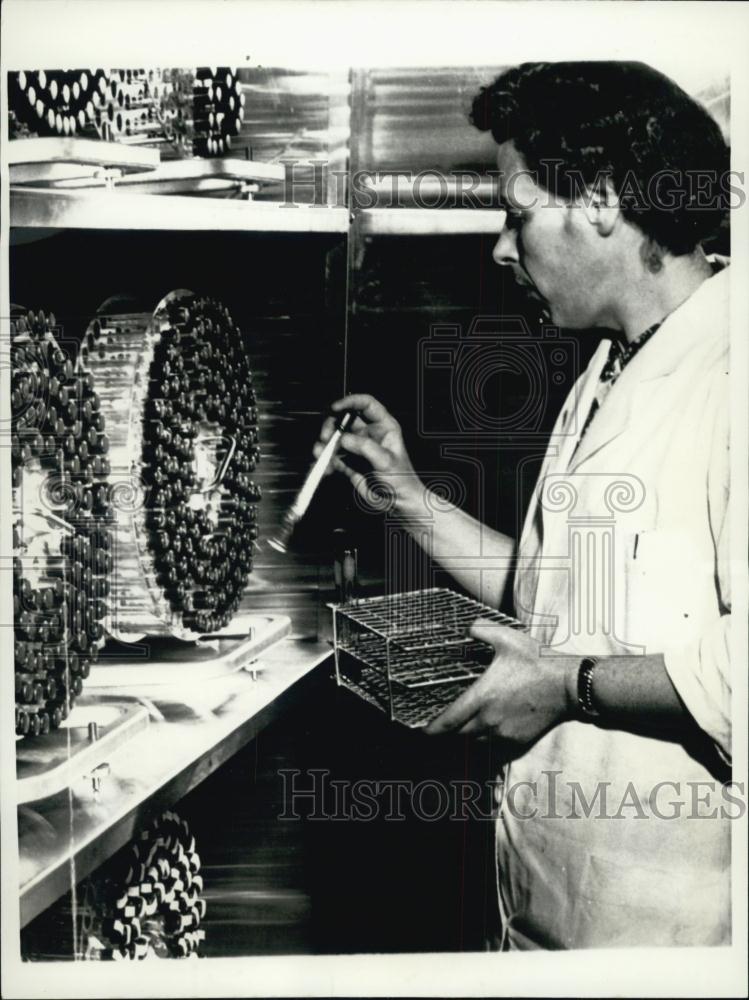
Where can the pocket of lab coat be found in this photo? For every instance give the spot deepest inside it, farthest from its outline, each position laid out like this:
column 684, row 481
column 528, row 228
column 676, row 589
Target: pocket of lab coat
column 670, row 588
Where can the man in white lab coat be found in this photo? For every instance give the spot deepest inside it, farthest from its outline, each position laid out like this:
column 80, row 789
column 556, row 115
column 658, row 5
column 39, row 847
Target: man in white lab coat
column 614, row 708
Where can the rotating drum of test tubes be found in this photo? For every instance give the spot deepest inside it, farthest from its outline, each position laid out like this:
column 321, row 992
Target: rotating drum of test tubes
column 202, row 109
column 176, row 389
column 57, row 102
column 196, row 111
column 145, row 902
column 61, row 515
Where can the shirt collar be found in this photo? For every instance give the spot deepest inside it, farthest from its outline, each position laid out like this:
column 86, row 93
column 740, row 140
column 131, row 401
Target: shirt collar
column 700, row 314
column 621, row 354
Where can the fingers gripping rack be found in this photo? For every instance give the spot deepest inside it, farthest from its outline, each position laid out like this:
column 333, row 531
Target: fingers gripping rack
column 410, row 654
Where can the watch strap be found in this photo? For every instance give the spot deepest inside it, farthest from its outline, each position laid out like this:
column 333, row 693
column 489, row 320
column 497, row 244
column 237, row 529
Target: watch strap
column 585, row 700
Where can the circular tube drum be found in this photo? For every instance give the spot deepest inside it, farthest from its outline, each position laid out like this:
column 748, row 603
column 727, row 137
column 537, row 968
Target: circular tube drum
column 61, row 519
column 175, row 388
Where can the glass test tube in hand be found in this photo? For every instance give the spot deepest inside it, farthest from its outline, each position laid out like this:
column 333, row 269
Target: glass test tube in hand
column 314, row 477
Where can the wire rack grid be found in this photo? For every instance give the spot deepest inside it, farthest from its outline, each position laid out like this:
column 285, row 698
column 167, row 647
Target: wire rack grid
column 410, row 654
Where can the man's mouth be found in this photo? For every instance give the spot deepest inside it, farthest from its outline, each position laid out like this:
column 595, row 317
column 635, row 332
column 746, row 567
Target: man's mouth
column 521, row 277
column 528, row 287
column 533, row 293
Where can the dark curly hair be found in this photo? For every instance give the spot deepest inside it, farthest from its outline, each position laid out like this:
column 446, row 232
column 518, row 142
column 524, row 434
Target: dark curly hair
column 622, row 120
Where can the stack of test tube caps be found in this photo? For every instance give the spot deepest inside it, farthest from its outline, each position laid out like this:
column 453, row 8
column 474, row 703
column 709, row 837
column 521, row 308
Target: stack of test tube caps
column 203, row 109
column 146, row 902
column 61, row 519
column 130, row 111
column 196, row 112
column 176, row 388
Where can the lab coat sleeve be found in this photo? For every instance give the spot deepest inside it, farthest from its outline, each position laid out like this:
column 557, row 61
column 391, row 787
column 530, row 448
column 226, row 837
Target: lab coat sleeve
column 701, row 671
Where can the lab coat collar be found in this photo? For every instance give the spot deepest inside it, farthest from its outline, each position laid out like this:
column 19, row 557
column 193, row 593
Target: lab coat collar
column 692, row 327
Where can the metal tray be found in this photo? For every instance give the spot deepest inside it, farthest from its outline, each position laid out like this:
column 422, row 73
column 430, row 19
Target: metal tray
column 165, row 662
column 94, row 729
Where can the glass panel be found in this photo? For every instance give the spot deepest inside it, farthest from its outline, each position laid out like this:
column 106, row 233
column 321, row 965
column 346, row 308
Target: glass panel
column 300, row 119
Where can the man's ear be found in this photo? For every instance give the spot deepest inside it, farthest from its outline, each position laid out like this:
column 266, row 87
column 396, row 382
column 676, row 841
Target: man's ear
column 601, row 205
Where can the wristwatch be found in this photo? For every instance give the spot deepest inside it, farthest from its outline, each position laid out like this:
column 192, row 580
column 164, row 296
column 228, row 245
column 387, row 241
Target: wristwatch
column 585, row 701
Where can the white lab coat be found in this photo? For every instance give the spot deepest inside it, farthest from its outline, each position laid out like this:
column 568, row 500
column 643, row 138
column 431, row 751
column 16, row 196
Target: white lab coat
column 625, row 550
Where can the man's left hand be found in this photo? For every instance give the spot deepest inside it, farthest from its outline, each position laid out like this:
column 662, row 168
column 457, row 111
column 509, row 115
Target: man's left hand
column 520, row 696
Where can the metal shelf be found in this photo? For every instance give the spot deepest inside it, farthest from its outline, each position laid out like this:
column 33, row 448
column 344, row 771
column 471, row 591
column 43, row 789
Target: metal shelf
column 194, row 729
column 74, row 169
column 86, row 184
column 27, row 157
column 429, row 221
column 124, row 209
column 150, row 201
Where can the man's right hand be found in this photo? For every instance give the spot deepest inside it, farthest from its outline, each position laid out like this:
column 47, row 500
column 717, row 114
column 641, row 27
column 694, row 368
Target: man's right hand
column 374, row 436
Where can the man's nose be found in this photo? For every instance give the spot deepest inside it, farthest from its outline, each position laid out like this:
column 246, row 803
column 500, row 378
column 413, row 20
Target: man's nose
column 506, row 250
